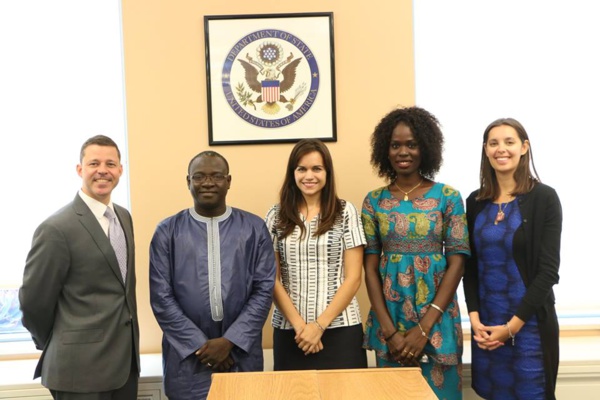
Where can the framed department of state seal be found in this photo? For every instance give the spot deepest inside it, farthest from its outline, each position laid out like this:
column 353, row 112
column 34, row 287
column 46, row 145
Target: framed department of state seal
column 270, row 78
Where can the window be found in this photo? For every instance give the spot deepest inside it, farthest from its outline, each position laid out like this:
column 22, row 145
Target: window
column 61, row 82
column 535, row 61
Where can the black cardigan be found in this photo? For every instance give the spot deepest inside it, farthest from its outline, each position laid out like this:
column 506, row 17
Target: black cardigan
column 536, row 250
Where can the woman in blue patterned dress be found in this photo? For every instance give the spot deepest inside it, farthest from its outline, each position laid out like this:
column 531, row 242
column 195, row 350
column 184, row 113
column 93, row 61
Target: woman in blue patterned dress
column 515, row 225
column 417, row 243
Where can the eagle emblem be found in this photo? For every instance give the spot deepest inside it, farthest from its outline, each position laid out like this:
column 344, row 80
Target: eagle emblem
column 269, row 76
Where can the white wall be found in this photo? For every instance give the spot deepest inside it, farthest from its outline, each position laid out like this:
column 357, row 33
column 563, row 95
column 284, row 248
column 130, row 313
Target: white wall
column 536, row 61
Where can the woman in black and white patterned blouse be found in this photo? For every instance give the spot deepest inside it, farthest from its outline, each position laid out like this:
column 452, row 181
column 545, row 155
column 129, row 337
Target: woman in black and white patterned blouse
column 319, row 243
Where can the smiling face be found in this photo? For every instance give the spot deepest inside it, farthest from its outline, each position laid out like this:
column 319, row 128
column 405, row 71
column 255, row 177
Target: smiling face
column 209, row 181
column 404, row 152
column 310, row 175
column 504, row 149
column 100, row 170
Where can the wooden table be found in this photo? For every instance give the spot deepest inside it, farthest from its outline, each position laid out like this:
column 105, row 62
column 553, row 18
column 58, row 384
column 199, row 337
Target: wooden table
column 370, row 383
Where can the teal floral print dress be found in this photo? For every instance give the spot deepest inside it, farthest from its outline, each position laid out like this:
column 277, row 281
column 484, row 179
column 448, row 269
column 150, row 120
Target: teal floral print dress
column 413, row 238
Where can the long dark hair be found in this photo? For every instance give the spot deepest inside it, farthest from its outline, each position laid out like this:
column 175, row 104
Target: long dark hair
column 290, row 196
column 525, row 179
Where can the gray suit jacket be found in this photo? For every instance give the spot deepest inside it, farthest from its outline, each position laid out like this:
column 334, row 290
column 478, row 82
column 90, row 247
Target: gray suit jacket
column 75, row 304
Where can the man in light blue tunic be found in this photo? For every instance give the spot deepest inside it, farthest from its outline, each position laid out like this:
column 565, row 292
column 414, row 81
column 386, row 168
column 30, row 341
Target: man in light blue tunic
column 212, row 272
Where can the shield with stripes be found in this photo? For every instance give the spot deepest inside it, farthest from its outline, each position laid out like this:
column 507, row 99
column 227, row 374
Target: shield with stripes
column 270, row 91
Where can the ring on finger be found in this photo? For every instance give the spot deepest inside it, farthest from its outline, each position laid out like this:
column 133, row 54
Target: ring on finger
column 209, row 364
column 411, row 354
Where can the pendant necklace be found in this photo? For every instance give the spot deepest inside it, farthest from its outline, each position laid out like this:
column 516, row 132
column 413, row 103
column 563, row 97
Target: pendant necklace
column 500, row 215
column 410, row 191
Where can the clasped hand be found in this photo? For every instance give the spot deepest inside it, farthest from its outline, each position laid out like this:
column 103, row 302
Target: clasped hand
column 489, row 337
column 407, row 348
column 308, row 339
column 216, row 354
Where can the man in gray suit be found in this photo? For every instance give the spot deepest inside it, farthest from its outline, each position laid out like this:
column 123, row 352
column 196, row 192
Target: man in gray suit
column 78, row 294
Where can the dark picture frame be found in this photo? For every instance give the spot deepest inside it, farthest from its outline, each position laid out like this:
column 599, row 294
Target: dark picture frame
column 270, row 78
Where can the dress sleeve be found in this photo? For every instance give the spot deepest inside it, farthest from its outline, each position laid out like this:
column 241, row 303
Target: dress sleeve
column 246, row 330
column 456, row 232
column 182, row 334
column 371, row 225
column 354, row 234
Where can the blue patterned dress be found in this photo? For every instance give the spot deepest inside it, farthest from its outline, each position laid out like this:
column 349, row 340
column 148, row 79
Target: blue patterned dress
column 509, row 372
column 411, row 237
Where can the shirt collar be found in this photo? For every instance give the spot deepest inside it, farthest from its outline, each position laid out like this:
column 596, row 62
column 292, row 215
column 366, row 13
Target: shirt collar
column 97, row 208
column 219, row 218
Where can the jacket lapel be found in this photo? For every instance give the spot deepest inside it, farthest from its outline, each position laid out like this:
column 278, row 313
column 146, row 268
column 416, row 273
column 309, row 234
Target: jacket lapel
column 91, row 224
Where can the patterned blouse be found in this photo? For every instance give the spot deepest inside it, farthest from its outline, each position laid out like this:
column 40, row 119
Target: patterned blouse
column 312, row 268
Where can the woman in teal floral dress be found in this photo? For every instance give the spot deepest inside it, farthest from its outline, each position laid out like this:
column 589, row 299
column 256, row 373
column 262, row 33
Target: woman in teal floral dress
column 417, row 242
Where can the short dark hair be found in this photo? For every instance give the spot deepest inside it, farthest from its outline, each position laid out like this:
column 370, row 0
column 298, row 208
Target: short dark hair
column 99, row 140
column 525, row 179
column 426, row 130
column 290, row 196
column 208, row 153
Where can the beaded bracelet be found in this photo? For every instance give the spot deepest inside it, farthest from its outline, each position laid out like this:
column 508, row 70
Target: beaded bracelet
column 319, row 325
column 510, row 333
column 392, row 335
column 422, row 331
